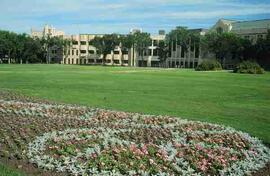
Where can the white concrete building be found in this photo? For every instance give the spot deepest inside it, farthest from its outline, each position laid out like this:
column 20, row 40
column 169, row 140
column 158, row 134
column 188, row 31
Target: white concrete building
column 81, row 52
column 47, row 31
column 252, row 30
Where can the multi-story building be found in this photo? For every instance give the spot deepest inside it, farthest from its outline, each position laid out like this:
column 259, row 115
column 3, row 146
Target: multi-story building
column 252, row 30
column 82, row 52
column 48, row 31
column 150, row 57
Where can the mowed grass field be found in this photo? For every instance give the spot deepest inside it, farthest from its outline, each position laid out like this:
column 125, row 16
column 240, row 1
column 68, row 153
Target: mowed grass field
column 237, row 100
column 7, row 171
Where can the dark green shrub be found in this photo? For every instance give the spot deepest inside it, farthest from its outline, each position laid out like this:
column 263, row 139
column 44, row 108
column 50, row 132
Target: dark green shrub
column 249, row 67
column 209, row 65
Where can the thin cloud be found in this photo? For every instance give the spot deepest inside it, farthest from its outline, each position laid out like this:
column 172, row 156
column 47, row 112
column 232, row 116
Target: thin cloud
column 120, row 15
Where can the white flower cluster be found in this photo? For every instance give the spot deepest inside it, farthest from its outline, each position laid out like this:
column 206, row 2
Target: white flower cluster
column 45, row 110
column 110, row 138
column 118, row 129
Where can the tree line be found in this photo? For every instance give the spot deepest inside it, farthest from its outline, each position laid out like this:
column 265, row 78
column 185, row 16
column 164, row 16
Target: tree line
column 21, row 48
column 229, row 45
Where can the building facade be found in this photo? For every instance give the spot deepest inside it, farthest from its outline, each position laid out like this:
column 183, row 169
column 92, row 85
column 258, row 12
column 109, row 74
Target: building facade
column 83, row 53
column 252, row 30
column 48, row 31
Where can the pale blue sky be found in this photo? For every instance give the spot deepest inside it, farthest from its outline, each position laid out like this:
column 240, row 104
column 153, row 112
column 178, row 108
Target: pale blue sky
column 108, row 16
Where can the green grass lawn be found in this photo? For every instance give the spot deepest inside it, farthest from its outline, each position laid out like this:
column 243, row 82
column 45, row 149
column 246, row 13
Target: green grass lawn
column 6, row 171
column 238, row 100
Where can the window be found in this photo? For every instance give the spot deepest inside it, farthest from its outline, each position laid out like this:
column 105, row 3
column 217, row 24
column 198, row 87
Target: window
column 115, row 52
column 75, row 42
column 72, row 52
column 83, row 42
column 124, row 51
column 247, row 37
column 197, row 51
column 155, row 42
column 77, row 52
column 91, row 52
column 125, row 61
column 260, row 36
column 91, row 60
column 174, row 46
column 145, row 53
column 149, row 52
column 108, row 61
column 83, row 51
column 99, row 60
column 182, row 53
column 155, row 52
column 116, row 61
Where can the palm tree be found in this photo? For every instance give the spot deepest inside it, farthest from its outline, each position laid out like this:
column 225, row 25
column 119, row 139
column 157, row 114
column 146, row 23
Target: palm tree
column 126, row 43
column 141, row 41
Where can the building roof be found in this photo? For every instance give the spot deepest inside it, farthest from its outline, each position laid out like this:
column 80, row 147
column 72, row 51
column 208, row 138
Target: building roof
column 256, row 24
column 226, row 21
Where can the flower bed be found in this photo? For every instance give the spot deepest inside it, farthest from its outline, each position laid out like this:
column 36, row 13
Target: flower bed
column 85, row 141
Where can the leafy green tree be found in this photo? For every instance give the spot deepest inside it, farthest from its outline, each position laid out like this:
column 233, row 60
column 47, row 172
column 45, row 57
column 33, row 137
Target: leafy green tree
column 224, row 45
column 262, row 49
column 141, row 42
column 163, row 52
column 126, row 43
column 105, row 44
column 51, row 44
column 179, row 36
column 187, row 39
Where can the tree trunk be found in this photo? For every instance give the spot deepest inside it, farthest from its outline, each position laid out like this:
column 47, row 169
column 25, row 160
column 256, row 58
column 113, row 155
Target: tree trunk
column 189, row 52
column 104, row 59
column 8, row 57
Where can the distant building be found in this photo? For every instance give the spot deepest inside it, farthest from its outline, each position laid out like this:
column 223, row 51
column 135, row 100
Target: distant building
column 82, row 52
column 151, row 57
column 252, row 30
column 47, row 31
column 134, row 30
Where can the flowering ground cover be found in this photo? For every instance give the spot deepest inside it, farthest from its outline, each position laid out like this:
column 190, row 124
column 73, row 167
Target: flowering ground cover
column 78, row 140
